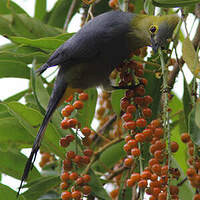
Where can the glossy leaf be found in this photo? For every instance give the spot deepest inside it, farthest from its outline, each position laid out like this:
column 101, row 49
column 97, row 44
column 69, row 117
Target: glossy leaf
column 174, row 3
column 40, row 9
column 86, row 115
column 193, row 126
column 8, row 69
column 191, row 57
column 7, row 192
column 13, row 164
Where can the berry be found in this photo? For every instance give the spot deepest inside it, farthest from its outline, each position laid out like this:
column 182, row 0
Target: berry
column 83, row 96
column 147, row 112
column 135, row 152
column 86, row 131
column 70, row 154
column 174, row 147
column 128, row 162
column 64, row 176
column 141, row 123
column 142, row 183
column 127, row 117
column 63, row 185
column 67, row 110
column 86, row 189
column 73, row 176
column 64, row 142
column 76, row 194
column 185, row 137
column 86, row 178
column 70, row 138
column 131, row 109
column 72, row 123
column 135, row 177
column 78, row 104
column 66, row 195
column 88, row 152
column 64, row 124
column 131, row 125
column 79, row 181
column 130, row 182
column 173, row 190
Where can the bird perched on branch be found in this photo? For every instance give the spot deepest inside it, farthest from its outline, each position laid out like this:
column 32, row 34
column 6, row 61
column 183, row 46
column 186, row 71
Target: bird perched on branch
column 89, row 56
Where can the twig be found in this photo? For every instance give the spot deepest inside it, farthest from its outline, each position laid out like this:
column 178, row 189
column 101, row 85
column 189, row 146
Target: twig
column 69, row 14
column 116, row 172
column 183, row 181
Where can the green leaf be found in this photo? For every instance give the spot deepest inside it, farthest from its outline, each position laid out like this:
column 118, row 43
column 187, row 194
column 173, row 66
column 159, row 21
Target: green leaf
column 187, row 101
column 13, row 164
column 193, row 127
column 7, row 192
column 86, row 115
column 24, row 26
column 97, row 188
column 110, row 157
column 30, row 120
column 41, row 186
column 115, row 100
column 11, row 68
column 40, row 9
column 16, row 97
column 191, row 57
column 173, row 3
column 42, row 43
column 6, row 7
column 149, row 7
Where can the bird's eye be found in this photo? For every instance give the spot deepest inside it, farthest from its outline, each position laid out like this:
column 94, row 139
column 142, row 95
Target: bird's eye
column 153, row 29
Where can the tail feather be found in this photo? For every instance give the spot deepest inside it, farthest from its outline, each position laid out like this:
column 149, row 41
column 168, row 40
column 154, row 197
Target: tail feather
column 42, row 69
column 35, row 148
column 55, row 100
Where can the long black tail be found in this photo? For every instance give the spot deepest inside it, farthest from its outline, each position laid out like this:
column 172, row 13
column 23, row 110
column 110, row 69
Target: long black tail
column 57, row 94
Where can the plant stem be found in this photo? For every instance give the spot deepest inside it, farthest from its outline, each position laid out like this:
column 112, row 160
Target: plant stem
column 166, row 115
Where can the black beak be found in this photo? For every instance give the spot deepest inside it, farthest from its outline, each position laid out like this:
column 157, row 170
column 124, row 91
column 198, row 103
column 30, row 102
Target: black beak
column 155, row 45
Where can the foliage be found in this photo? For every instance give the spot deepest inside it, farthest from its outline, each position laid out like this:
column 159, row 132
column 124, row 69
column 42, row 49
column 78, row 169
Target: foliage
column 31, row 41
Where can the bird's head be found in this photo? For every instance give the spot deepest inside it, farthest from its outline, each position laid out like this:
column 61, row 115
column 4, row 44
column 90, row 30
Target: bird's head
column 154, row 30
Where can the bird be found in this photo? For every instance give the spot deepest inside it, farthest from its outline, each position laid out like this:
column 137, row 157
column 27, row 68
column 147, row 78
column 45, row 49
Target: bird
column 90, row 55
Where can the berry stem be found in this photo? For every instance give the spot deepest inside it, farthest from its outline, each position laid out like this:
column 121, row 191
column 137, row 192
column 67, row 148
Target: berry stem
column 166, row 116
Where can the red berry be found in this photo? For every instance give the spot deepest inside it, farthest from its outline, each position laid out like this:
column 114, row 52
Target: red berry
column 88, row 152
column 86, row 189
column 83, row 96
column 156, row 168
column 174, row 190
column 86, row 131
column 78, row 104
column 185, row 137
column 70, row 154
column 147, row 100
column 159, row 132
column 131, row 109
column 146, row 174
column 79, row 181
column 128, row 162
column 135, row 152
column 127, row 117
column 131, row 125
column 130, row 182
column 135, row 177
column 147, row 112
column 65, row 124
column 64, row 176
column 64, row 185
column 64, row 142
column 73, row 176
column 76, row 194
column 139, row 137
column 141, row 123
column 142, row 184
column 65, row 195
column 70, row 138
column 72, row 123
column 67, row 110
column 86, row 178
column 174, row 147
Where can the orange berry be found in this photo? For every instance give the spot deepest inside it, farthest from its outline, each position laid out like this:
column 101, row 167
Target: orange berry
column 64, row 142
column 130, row 182
column 164, row 170
column 114, row 193
column 65, row 195
column 162, row 196
column 70, row 138
column 86, row 131
column 185, row 137
column 158, row 154
column 139, row 137
column 191, row 172
column 72, row 123
column 128, row 162
column 70, row 154
column 140, row 90
column 156, row 168
column 196, row 197
column 141, row 122
column 65, row 124
column 69, row 99
column 79, row 181
column 85, row 160
column 124, row 103
column 67, row 164
column 142, row 184
column 127, row 117
column 78, row 104
column 153, row 161
column 86, row 189
column 130, row 125
column 77, row 159
column 76, row 194
column 127, row 147
column 155, row 123
column 154, row 177
column 132, row 143
column 174, row 146
column 64, row 176
column 135, row 177
column 135, row 152
column 113, row 3
column 159, row 132
column 146, row 175
column 83, row 96
column 88, row 152
column 73, row 176
column 67, row 110
column 131, row 109
column 64, row 185
column 173, row 189
column 147, row 112
column 86, row 178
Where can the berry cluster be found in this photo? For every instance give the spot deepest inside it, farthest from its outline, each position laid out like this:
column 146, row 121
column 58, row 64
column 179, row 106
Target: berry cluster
column 78, row 183
column 193, row 172
column 46, row 158
column 141, row 132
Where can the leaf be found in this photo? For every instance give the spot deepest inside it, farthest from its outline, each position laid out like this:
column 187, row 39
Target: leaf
column 7, row 192
column 13, row 164
column 11, row 68
column 110, row 157
column 58, row 14
column 193, row 126
column 149, row 7
column 191, row 57
column 115, row 100
column 6, row 7
column 42, row 43
column 40, row 9
column 86, row 115
column 97, row 188
column 30, row 120
column 187, row 100
column 174, row 3
column 41, row 186
column 16, row 97
column 24, row 26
